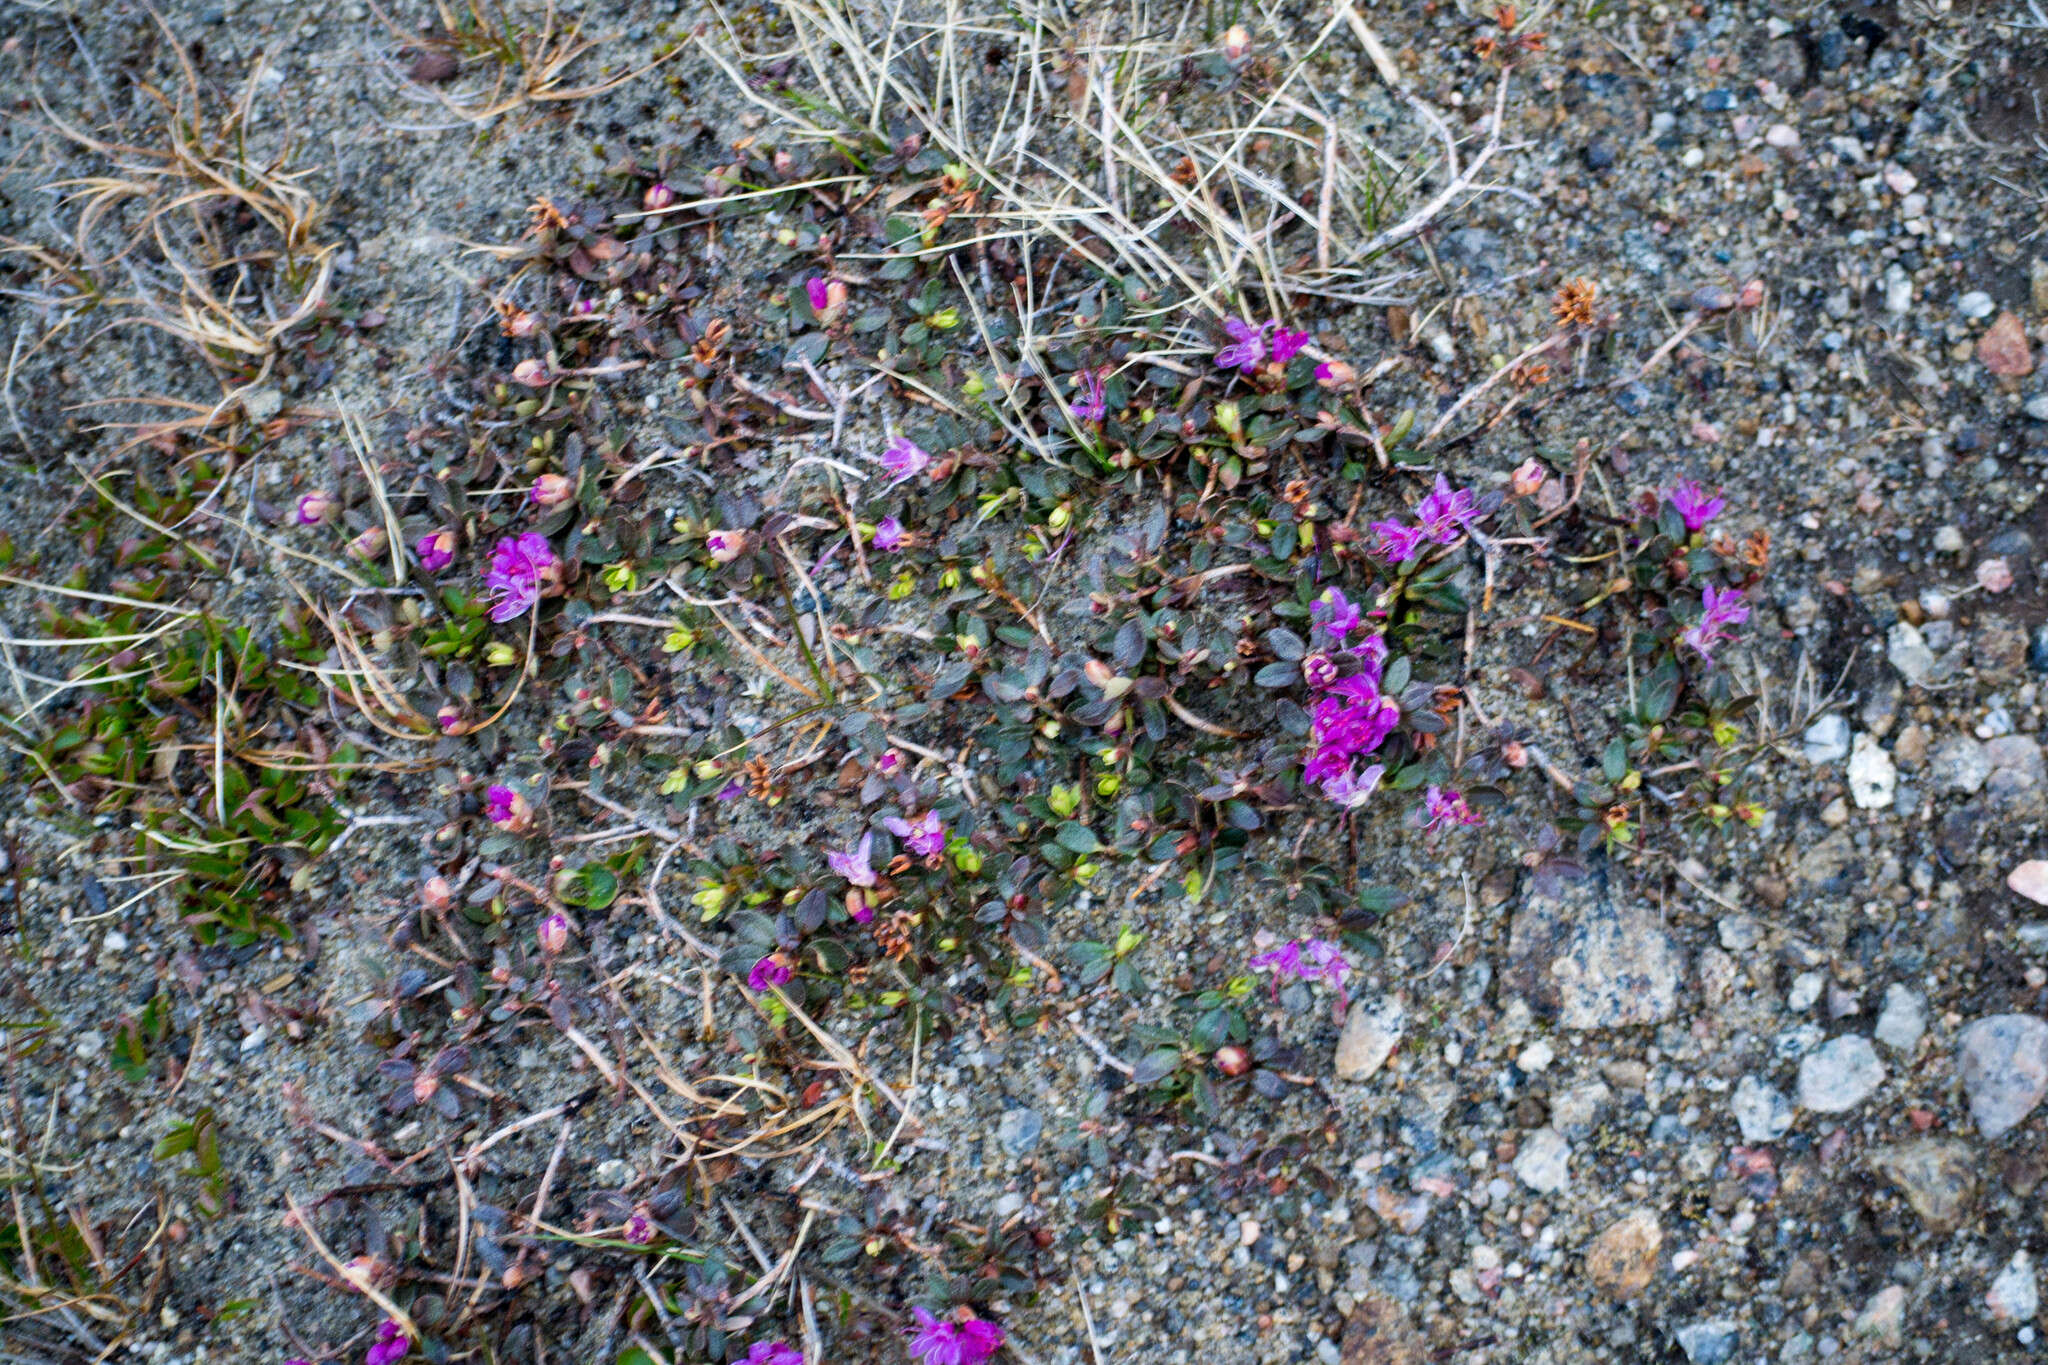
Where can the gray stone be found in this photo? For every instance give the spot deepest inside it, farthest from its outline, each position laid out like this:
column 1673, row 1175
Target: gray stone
column 1839, row 1075
column 263, row 404
column 2037, row 407
column 1938, row 1176
column 1908, row 653
column 2003, row 1063
column 1371, row 1031
column 1763, row 1114
column 1543, row 1163
column 1740, row 933
column 1975, row 304
column 2015, row 1295
column 2018, row 755
column 1884, row 1317
column 1826, row 740
column 1873, row 780
column 1019, row 1130
column 1708, row 1343
column 1904, row 1018
column 1806, row 988
column 1958, row 764
column 1592, row 963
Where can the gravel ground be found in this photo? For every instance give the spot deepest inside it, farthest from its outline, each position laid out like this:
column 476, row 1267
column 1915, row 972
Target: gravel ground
column 1768, row 1096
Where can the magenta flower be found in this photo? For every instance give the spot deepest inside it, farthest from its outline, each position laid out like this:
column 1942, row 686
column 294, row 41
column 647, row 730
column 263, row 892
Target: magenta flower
column 1723, row 607
column 1371, row 653
column 1334, row 374
column 819, row 292
column 937, row 1342
column 1309, row 959
column 1247, row 350
column 657, row 197
column 889, row 764
column 640, row 1230
column 1445, row 514
column 391, row 1344
column 1695, row 508
column 436, row 550
column 852, row 863
column 1318, row 671
column 905, row 459
column 1287, row 345
column 521, row 566
column 924, row 836
column 1399, row 542
column 769, row 971
column 774, row 1353
column 888, row 535
column 1443, row 809
column 1089, row 404
column 1335, row 613
column 551, row 490
column 313, row 508
column 507, row 809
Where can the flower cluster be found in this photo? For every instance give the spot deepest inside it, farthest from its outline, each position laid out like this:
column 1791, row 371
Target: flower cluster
column 924, row 836
column 1251, row 347
column 522, row 566
column 1721, row 608
column 938, row 1342
column 774, row 1353
column 1352, row 718
column 1308, row 959
column 1441, row 517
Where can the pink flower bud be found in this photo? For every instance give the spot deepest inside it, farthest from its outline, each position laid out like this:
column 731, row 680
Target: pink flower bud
column 313, row 508
column 507, row 809
column 1752, row 294
column 554, row 933
column 1334, row 374
column 449, row 718
column 657, row 197
column 726, row 546
column 436, row 894
column 785, row 165
column 1236, row 43
column 517, row 322
column 371, row 544
column 436, row 550
column 1527, row 478
column 551, row 490
column 533, row 373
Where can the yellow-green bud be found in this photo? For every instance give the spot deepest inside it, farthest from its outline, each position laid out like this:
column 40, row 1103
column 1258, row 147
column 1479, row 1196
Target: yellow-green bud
column 1229, row 420
column 498, row 654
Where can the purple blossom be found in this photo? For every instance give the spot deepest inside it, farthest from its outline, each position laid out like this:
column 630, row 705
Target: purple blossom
column 924, row 836
column 905, row 459
column 436, row 550
column 1352, row 789
column 1089, row 404
column 938, row 1342
column 725, row 546
column 819, row 292
column 520, row 567
column 774, row 1353
column 1723, row 607
column 1308, row 959
column 391, row 1344
column 769, row 971
column 1371, row 653
column 1335, row 613
column 1695, row 508
column 1446, row 513
column 1443, row 809
column 1318, row 671
column 731, row 790
column 1287, row 345
column 640, row 1230
column 1247, row 350
column 889, row 764
column 1399, row 542
column 852, row 863
column 888, row 535
column 551, row 490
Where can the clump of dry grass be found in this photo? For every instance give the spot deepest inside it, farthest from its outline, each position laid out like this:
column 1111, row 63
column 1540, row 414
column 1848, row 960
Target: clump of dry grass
column 1213, row 180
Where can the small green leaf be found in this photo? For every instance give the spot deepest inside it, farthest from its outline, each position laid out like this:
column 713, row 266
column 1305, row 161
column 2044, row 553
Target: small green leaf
column 1076, row 837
